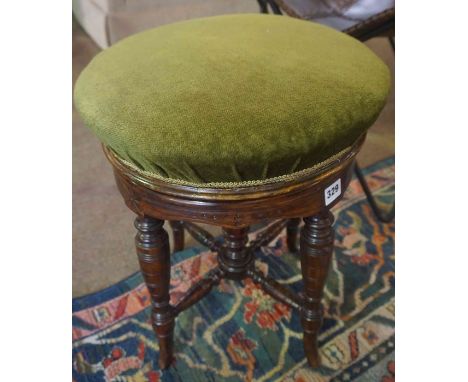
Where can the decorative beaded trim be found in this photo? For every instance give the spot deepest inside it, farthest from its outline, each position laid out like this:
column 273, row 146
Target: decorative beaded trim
column 247, row 183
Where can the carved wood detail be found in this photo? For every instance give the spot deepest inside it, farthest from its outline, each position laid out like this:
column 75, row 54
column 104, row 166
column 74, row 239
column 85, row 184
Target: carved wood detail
column 234, row 257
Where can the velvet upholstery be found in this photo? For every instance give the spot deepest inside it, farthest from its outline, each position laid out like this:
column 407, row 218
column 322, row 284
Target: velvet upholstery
column 232, row 98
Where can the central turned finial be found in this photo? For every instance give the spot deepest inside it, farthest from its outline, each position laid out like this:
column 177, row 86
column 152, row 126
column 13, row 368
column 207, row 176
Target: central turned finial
column 234, row 257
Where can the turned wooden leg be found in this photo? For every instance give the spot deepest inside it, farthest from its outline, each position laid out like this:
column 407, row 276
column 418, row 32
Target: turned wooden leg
column 178, row 235
column 316, row 249
column 292, row 231
column 152, row 245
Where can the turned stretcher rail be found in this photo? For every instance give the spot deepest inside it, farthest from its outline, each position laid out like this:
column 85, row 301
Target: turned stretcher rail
column 269, row 234
column 202, row 236
column 198, row 290
column 276, row 290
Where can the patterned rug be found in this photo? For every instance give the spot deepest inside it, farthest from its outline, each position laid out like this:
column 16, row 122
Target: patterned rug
column 237, row 333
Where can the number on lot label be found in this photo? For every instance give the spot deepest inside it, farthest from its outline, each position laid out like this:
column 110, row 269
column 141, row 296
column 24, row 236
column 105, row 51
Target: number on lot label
column 332, row 192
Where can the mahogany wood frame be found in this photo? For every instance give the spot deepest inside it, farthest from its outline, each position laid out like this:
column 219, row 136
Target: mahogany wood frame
column 234, row 209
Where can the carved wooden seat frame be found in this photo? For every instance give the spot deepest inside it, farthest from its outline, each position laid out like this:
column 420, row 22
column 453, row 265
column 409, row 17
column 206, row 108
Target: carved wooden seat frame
column 234, row 209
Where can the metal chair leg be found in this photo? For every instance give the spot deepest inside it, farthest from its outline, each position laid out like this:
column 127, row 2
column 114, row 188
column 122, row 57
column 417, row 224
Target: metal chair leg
column 382, row 216
column 263, row 6
column 274, row 7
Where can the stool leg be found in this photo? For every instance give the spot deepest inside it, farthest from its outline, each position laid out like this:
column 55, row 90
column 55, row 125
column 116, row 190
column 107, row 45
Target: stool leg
column 152, row 246
column 178, row 235
column 292, row 231
column 316, row 249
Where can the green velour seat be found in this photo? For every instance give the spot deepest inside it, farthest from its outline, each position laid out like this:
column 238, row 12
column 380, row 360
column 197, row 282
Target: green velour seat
column 232, row 98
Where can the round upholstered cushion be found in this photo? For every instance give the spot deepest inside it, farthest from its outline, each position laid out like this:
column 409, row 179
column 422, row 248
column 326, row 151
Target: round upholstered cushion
column 232, row 98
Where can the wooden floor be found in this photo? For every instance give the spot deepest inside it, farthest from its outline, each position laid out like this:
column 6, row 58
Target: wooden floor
column 103, row 247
